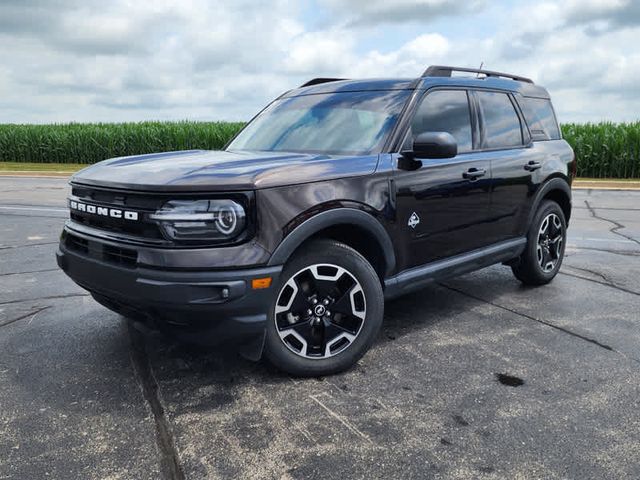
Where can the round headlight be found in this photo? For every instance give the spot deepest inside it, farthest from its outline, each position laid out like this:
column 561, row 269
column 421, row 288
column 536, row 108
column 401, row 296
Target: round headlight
column 226, row 220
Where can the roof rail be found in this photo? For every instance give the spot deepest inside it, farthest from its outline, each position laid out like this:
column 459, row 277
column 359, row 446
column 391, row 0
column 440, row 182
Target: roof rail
column 316, row 81
column 444, row 71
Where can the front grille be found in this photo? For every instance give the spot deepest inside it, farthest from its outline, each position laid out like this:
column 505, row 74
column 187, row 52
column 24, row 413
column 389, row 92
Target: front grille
column 140, row 229
column 124, row 257
column 137, row 229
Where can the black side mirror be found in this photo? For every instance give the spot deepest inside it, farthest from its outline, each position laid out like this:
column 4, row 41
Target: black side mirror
column 435, row 145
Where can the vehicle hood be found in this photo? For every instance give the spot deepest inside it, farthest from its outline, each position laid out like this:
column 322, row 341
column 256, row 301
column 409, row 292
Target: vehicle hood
column 206, row 170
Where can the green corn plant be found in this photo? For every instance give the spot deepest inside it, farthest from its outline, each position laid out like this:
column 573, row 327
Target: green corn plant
column 604, row 150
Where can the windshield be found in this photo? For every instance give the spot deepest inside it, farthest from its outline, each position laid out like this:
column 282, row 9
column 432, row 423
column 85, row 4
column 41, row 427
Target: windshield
column 347, row 123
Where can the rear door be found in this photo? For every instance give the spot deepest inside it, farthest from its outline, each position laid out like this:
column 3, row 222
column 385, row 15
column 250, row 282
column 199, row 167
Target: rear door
column 443, row 207
column 506, row 143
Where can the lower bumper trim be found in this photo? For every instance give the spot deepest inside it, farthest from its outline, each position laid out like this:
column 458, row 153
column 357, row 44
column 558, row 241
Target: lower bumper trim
column 211, row 306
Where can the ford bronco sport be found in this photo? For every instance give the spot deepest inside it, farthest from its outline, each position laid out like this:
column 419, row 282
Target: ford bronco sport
column 338, row 195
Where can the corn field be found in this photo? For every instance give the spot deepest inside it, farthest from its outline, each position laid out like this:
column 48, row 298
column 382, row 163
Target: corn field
column 92, row 142
column 604, row 150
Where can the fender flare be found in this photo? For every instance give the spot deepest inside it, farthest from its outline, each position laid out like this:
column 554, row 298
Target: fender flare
column 556, row 183
column 330, row 218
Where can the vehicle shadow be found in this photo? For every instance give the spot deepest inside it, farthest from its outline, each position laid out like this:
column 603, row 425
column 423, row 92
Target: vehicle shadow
column 196, row 367
column 196, row 377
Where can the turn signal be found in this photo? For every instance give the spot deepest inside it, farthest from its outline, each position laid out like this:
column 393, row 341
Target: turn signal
column 258, row 283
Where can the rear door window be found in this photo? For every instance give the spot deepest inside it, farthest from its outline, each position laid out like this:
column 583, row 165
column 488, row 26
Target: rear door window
column 501, row 122
column 445, row 111
column 539, row 115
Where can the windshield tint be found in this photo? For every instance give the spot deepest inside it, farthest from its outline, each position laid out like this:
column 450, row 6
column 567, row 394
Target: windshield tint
column 348, row 123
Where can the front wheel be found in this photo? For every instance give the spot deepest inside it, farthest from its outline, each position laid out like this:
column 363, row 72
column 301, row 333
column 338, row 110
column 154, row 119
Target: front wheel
column 327, row 312
column 542, row 257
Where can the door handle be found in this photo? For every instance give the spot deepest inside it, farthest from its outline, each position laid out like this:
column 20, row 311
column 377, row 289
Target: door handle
column 474, row 174
column 532, row 165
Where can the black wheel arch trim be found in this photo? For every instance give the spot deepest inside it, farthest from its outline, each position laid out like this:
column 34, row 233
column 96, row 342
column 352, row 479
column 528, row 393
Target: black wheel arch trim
column 330, row 218
column 555, row 183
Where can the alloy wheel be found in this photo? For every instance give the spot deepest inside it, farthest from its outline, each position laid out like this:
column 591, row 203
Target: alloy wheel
column 320, row 311
column 550, row 241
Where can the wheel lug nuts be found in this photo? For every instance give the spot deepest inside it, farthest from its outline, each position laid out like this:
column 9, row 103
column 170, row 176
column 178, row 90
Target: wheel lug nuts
column 309, row 312
column 328, row 313
column 325, row 301
column 314, row 301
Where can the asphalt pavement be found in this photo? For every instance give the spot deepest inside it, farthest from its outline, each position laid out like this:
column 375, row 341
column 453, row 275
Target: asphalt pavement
column 474, row 377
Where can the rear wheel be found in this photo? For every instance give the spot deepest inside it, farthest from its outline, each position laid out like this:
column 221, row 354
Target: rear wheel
column 543, row 255
column 327, row 312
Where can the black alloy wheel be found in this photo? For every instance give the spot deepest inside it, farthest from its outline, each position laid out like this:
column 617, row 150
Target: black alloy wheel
column 327, row 310
column 542, row 257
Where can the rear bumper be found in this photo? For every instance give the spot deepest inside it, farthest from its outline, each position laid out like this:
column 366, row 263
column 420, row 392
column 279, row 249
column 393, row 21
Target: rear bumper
column 204, row 306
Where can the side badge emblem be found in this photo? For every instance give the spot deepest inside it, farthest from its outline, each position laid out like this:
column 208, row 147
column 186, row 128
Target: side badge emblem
column 414, row 220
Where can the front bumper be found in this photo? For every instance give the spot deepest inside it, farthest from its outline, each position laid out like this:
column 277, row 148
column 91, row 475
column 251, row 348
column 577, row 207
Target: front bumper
column 206, row 306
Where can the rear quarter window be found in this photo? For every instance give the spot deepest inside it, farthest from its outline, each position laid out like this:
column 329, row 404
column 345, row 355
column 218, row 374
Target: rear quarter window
column 539, row 115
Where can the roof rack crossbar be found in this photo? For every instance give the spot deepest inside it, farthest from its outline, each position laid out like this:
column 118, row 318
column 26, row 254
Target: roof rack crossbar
column 445, row 71
column 316, row 81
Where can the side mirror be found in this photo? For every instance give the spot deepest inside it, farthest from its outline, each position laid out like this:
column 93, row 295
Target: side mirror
column 435, row 145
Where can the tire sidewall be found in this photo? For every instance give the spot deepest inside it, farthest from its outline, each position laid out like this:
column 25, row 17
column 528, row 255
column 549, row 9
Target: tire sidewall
column 341, row 255
column 545, row 209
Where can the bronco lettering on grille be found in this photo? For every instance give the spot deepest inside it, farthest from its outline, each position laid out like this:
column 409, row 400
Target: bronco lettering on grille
column 103, row 211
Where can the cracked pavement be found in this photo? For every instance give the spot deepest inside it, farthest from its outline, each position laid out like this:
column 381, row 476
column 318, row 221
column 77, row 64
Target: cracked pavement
column 85, row 396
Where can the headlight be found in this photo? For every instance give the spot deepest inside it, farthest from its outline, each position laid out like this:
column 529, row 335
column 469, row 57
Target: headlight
column 201, row 220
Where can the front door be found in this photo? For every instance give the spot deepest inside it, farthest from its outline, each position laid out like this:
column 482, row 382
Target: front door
column 443, row 207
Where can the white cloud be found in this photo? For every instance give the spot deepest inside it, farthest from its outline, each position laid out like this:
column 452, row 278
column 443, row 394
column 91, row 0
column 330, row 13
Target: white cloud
column 215, row 59
column 332, row 54
column 322, row 52
column 137, row 60
column 367, row 12
column 410, row 60
column 603, row 15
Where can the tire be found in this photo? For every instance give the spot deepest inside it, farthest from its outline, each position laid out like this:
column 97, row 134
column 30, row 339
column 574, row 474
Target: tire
column 543, row 255
column 327, row 311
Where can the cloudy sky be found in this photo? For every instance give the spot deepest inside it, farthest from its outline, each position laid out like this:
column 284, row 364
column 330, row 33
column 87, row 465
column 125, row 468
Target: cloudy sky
column 121, row 60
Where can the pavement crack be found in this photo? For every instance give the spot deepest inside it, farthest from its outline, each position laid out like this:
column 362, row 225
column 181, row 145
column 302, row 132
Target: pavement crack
column 50, row 297
column 32, row 205
column 343, row 420
column 11, row 247
column 610, row 208
column 592, row 272
column 606, row 283
column 29, row 272
column 32, row 314
column 624, row 253
column 171, row 468
column 616, row 225
column 28, row 215
column 543, row 322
